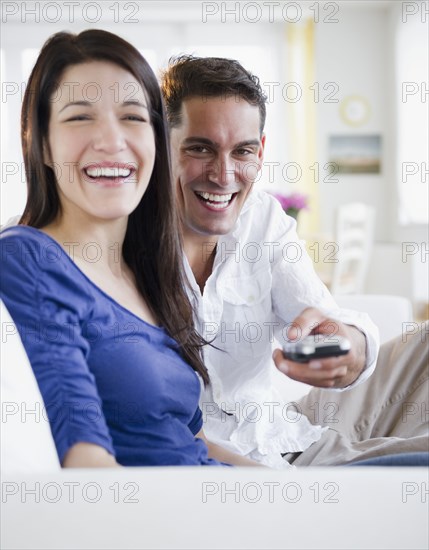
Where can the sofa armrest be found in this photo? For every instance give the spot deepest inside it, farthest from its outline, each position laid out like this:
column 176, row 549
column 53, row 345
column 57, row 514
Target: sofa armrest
column 389, row 313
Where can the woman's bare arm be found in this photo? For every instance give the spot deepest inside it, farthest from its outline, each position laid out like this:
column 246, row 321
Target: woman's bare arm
column 88, row 455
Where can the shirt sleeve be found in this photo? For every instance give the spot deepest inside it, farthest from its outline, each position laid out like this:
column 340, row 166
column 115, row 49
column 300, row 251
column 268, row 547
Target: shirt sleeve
column 49, row 306
column 196, row 423
column 296, row 286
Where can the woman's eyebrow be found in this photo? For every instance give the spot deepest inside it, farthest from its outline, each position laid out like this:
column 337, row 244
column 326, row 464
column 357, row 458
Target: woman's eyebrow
column 127, row 103
column 74, row 103
column 134, row 103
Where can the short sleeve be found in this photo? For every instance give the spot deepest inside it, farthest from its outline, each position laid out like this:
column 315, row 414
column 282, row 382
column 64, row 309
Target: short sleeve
column 50, row 304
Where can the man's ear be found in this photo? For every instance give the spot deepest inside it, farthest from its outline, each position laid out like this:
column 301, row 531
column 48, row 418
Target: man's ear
column 261, row 150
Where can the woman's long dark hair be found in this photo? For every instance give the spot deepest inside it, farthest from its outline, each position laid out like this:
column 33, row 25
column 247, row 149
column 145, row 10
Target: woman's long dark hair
column 152, row 247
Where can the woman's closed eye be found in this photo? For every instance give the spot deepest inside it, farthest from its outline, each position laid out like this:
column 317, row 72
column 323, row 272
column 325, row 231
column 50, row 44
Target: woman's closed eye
column 78, row 118
column 135, row 118
column 83, row 118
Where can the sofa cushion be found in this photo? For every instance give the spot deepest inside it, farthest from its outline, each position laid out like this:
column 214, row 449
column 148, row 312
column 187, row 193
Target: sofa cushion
column 27, row 443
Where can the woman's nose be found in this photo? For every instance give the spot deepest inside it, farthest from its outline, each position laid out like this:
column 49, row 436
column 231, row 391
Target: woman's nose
column 109, row 137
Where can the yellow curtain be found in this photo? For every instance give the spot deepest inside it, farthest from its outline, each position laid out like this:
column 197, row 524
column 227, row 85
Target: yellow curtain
column 301, row 119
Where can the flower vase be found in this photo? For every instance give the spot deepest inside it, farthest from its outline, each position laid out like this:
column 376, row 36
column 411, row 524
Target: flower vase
column 293, row 212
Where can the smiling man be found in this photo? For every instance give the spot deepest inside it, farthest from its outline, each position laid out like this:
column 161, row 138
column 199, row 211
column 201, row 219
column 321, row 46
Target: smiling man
column 218, row 151
column 252, row 279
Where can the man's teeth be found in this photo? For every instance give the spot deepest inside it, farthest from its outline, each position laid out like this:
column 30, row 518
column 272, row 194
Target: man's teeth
column 215, row 198
column 104, row 172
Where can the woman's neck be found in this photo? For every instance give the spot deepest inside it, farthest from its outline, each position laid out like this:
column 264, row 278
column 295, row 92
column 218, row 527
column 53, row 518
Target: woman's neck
column 98, row 243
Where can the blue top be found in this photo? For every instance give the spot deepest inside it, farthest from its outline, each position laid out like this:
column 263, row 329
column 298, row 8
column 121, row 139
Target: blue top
column 106, row 376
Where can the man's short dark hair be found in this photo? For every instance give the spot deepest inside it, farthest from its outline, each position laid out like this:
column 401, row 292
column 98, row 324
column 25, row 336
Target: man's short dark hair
column 189, row 76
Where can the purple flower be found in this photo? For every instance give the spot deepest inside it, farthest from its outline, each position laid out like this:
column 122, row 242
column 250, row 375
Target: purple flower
column 295, row 201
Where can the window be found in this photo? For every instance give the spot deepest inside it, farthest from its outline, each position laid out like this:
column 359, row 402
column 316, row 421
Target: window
column 412, row 122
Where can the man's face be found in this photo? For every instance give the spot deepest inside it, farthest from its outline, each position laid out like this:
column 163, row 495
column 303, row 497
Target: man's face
column 217, row 152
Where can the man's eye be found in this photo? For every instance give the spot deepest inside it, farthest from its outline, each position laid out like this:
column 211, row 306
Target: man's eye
column 198, row 149
column 244, row 152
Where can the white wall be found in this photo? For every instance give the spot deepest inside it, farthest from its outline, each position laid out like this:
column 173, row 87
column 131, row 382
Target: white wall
column 359, row 54
column 353, row 53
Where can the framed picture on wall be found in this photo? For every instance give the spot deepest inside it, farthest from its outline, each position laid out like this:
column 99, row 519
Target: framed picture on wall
column 357, row 154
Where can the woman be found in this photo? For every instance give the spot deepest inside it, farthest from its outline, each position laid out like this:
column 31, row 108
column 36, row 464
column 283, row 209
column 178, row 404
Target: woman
column 92, row 275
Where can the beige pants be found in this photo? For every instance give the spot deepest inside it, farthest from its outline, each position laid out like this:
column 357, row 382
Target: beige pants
column 386, row 414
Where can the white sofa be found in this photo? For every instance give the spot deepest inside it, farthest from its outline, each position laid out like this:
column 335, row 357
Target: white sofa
column 192, row 507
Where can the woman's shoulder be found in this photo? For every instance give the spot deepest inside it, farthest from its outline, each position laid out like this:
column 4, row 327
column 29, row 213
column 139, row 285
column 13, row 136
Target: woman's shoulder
column 33, row 262
column 24, row 236
column 27, row 248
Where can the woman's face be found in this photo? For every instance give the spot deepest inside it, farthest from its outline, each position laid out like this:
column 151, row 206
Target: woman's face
column 101, row 143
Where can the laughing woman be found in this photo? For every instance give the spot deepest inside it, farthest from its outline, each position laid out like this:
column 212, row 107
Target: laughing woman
column 92, row 276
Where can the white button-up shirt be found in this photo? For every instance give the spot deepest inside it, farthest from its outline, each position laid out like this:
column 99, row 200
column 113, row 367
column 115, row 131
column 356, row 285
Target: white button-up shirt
column 262, row 279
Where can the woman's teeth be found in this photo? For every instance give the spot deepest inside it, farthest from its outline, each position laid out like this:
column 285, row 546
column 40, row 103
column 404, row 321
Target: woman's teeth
column 215, row 201
column 104, row 172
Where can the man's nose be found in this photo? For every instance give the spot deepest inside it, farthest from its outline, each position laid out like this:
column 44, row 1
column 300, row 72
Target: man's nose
column 109, row 137
column 223, row 171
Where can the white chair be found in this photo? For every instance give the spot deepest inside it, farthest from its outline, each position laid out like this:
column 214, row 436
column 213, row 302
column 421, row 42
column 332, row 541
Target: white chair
column 354, row 234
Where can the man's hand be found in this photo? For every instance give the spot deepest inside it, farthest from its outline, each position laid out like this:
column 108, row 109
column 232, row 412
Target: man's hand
column 332, row 372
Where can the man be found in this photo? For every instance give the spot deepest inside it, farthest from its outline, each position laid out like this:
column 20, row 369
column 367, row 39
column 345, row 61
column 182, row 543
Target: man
column 252, row 280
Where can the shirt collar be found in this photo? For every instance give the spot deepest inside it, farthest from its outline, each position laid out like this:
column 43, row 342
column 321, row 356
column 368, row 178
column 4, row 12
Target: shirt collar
column 253, row 198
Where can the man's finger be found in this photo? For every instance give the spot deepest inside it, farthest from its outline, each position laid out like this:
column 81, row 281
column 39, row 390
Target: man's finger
column 328, row 375
column 306, row 321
